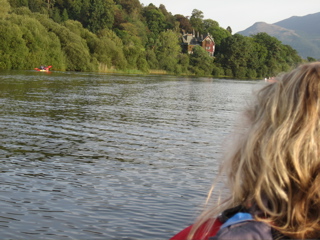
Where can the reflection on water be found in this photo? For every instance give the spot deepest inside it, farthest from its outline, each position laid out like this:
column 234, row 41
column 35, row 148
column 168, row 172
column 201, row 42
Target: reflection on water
column 88, row 156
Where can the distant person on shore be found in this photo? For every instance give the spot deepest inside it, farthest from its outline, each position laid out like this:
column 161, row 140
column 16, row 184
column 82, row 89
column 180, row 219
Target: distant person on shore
column 273, row 169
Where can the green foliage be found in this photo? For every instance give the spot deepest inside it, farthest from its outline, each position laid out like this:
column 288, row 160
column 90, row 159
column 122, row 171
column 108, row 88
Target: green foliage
column 18, row 3
column 38, row 6
column 183, row 63
column 311, row 59
column 217, row 71
column 91, row 35
column 77, row 9
column 196, row 20
column 133, row 50
column 278, row 57
column 131, row 7
column 257, row 56
column 77, row 58
column 237, row 51
column 155, row 19
column 142, row 63
column 131, row 53
column 75, row 48
column 169, row 18
column 167, row 50
column 209, row 24
column 218, row 33
column 64, row 16
column 43, row 47
column 184, row 23
column 13, row 50
column 5, row 8
column 56, row 16
column 201, row 62
column 22, row 11
column 151, row 59
column 100, row 15
column 135, row 29
column 229, row 29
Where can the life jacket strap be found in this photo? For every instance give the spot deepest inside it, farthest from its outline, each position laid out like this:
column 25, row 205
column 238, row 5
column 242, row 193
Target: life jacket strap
column 237, row 218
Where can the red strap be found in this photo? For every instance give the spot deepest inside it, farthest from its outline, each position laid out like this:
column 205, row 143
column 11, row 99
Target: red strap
column 200, row 234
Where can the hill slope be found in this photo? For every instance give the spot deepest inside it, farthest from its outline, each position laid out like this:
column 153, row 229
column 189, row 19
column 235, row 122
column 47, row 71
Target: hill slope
column 301, row 33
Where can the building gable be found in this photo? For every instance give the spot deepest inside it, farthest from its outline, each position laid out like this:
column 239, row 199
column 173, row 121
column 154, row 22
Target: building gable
column 189, row 41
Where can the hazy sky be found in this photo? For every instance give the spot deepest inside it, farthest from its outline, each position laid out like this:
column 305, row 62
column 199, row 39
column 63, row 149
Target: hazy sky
column 240, row 14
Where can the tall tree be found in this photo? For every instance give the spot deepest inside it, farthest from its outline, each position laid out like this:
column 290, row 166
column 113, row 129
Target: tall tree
column 170, row 20
column 275, row 60
column 229, row 29
column 218, row 33
column 168, row 50
column 131, row 7
column 235, row 53
column 196, row 20
column 184, row 22
column 38, row 5
column 100, row 15
column 209, row 24
column 13, row 50
column 155, row 19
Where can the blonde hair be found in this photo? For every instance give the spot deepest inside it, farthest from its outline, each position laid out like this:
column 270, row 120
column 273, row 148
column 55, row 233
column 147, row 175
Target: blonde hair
column 276, row 163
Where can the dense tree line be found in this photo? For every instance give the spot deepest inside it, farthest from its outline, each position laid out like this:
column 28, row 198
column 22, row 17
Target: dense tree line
column 105, row 35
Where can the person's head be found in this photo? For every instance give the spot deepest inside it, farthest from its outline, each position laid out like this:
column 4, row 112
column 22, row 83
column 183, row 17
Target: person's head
column 276, row 162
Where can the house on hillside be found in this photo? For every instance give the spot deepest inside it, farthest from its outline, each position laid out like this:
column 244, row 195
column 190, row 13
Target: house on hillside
column 189, row 41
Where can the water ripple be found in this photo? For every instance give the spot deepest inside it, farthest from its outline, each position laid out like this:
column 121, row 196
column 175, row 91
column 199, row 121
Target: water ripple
column 98, row 156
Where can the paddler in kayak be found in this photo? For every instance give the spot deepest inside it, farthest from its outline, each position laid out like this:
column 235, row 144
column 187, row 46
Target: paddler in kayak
column 43, row 68
column 272, row 168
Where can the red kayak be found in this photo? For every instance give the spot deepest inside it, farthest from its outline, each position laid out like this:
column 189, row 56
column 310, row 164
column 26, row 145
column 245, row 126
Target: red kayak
column 43, row 69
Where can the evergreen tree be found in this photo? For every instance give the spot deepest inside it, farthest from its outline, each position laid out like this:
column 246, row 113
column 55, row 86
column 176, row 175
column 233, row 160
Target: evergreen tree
column 64, row 16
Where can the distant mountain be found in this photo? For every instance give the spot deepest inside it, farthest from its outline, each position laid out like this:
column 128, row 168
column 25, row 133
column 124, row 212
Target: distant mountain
column 308, row 24
column 301, row 33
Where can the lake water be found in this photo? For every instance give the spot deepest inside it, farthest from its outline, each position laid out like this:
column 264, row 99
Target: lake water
column 97, row 156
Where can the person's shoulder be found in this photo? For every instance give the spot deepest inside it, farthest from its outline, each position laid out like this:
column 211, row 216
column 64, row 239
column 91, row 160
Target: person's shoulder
column 245, row 230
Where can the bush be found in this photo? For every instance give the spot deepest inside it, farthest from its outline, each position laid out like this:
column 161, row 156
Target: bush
column 217, row 71
column 251, row 73
column 13, row 50
column 43, row 46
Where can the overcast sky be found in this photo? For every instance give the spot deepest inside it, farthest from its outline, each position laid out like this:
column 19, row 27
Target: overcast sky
column 241, row 14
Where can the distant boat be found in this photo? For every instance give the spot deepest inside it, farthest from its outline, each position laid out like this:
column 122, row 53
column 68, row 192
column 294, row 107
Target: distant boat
column 270, row 80
column 43, row 69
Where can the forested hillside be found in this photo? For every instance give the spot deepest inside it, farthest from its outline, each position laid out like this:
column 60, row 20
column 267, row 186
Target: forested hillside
column 124, row 35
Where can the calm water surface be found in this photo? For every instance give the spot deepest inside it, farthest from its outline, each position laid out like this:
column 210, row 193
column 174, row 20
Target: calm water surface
column 94, row 156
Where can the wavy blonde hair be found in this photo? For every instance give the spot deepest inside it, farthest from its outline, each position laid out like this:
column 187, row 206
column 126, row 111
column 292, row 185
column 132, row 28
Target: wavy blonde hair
column 278, row 157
